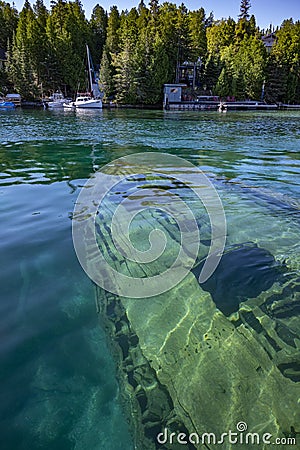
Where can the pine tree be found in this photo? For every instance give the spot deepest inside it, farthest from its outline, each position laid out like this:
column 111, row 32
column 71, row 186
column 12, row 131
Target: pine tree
column 183, row 33
column 212, row 72
column 41, row 13
column 276, row 81
column 286, row 53
column 126, row 75
column 20, row 72
column 110, row 51
column 67, row 32
column 197, row 34
column 154, row 7
column 249, row 67
column 238, row 87
column 8, row 21
column 21, row 64
column 98, row 25
column 107, row 75
column 113, row 25
column 224, row 84
column 125, row 62
column 244, row 9
column 220, row 35
column 140, row 50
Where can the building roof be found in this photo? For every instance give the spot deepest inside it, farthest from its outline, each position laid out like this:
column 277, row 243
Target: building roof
column 269, row 40
column 2, row 54
column 269, row 37
column 175, row 85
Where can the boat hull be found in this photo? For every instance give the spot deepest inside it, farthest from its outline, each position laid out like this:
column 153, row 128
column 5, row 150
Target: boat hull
column 69, row 105
column 7, row 105
column 89, row 104
column 52, row 105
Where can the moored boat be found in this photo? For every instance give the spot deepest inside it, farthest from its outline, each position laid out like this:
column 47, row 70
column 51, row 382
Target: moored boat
column 91, row 99
column 7, row 105
column 56, row 100
column 69, row 104
column 87, row 101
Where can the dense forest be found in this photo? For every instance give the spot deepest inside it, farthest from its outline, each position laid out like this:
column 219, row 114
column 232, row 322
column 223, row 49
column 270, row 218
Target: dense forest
column 140, row 50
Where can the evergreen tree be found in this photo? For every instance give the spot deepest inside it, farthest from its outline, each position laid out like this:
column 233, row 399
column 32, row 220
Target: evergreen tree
column 284, row 64
column 243, row 69
column 238, row 89
column 212, row 72
column 170, row 35
column 220, row 35
column 244, row 9
column 252, row 29
column 106, row 75
column 68, row 32
column 249, row 68
column 276, row 81
column 98, row 25
column 8, row 24
column 245, row 27
column 197, row 34
column 143, row 18
column 224, row 83
column 154, row 8
column 21, row 64
column 125, row 62
column 126, row 75
column 140, row 50
column 113, row 25
column 8, row 20
column 38, row 43
column 41, row 13
column 20, row 70
column 110, row 51
column 182, row 31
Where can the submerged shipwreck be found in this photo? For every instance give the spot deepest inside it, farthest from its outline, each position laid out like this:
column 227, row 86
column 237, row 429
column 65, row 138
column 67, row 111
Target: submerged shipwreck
column 200, row 360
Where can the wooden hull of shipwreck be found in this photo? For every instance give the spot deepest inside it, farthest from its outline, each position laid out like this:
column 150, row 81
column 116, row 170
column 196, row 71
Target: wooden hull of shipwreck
column 185, row 366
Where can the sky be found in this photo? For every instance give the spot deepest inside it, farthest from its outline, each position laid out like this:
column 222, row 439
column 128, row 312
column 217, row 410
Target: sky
column 265, row 11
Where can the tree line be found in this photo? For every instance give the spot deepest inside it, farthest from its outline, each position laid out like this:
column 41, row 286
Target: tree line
column 140, row 50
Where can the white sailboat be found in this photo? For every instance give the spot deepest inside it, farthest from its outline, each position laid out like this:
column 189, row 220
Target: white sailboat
column 92, row 99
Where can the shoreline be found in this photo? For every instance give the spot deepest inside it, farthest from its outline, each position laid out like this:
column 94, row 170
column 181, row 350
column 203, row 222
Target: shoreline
column 186, row 106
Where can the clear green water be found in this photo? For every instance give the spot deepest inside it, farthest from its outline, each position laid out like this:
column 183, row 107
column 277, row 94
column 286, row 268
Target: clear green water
column 58, row 379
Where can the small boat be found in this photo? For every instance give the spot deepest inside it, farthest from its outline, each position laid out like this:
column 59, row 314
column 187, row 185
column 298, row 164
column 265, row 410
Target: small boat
column 92, row 99
column 13, row 98
column 69, row 104
column 57, row 100
column 87, row 101
column 7, row 105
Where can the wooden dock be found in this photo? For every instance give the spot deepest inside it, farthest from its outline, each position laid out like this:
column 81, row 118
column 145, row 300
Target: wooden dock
column 215, row 105
column 286, row 106
column 249, row 106
column 228, row 106
column 192, row 106
column 258, row 106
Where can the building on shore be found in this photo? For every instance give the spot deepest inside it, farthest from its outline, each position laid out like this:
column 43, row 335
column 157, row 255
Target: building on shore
column 173, row 93
column 269, row 40
column 189, row 73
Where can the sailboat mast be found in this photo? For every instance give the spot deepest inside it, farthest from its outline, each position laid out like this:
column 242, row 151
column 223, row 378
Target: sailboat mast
column 89, row 66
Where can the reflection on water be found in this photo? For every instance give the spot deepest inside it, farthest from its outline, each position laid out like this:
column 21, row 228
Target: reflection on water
column 58, row 376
